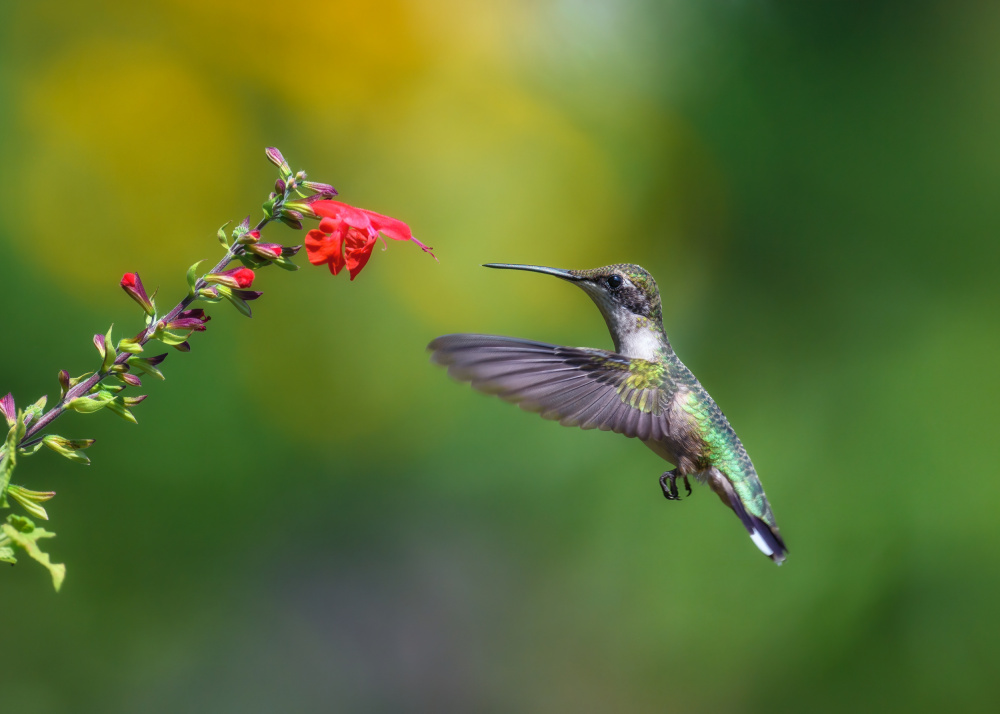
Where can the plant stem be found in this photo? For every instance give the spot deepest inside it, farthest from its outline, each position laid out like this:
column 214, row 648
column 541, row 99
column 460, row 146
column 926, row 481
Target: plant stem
column 234, row 251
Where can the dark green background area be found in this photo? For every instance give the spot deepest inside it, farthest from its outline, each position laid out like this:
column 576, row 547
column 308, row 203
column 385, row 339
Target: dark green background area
column 310, row 516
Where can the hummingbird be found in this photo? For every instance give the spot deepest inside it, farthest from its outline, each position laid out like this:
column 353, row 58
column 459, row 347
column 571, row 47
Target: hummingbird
column 641, row 390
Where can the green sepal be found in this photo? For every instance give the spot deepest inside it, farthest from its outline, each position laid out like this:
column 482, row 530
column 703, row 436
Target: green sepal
column 119, row 408
column 130, row 345
column 221, row 235
column 238, row 302
column 110, row 354
column 251, row 261
column 23, row 533
column 86, row 405
column 192, row 273
column 206, row 295
column 285, row 263
column 31, row 500
column 172, row 338
column 146, row 368
column 69, row 447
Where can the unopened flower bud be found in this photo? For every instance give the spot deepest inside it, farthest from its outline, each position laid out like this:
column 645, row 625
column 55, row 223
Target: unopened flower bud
column 132, row 285
column 270, row 251
column 275, row 157
column 235, row 278
column 8, row 409
column 279, row 186
column 302, row 207
column 324, row 189
column 249, row 237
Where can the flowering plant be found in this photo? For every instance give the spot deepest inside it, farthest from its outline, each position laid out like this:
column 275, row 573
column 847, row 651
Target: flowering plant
column 345, row 237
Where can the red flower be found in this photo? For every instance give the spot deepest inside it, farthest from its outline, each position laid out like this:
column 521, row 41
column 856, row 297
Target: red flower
column 347, row 235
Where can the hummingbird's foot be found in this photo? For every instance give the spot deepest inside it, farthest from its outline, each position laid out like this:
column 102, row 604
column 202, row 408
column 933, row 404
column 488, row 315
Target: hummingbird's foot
column 668, row 482
column 687, row 484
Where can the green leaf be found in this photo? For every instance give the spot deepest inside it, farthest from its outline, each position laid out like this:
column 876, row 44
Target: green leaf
column 239, row 303
column 23, row 533
column 7, row 553
column 283, row 262
column 31, row 500
column 192, row 273
column 221, row 235
column 119, row 408
column 145, row 367
column 87, row 405
column 110, row 354
column 172, row 338
column 130, row 345
column 68, row 447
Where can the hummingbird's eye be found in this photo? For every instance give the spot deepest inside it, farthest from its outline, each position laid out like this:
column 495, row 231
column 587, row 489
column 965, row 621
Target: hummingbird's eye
column 614, row 282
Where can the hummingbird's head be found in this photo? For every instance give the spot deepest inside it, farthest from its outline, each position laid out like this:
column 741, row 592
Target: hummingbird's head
column 626, row 295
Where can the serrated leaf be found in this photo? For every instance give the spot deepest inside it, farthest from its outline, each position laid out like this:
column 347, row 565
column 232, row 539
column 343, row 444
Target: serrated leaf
column 192, row 272
column 28, row 540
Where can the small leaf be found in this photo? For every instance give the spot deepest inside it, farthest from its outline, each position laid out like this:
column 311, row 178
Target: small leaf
column 24, row 534
column 221, row 235
column 172, row 338
column 86, row 405
column 192, row 273
column 130, row 345
column 31, row 500
column 112, row 355
column 119, row 408
column 285, row 263
column 7, row 553
column 145, row 366
column 68, row 447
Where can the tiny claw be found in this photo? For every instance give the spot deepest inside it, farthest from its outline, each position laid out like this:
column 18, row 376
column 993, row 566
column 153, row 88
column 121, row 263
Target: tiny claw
column 668, row 482
column 687, row 484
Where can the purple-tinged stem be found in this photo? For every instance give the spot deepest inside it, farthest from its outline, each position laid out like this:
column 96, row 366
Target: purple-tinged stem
column 81, row 389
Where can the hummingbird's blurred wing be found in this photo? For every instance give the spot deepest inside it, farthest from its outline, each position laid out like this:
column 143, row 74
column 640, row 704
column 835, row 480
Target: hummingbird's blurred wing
column 574, row 385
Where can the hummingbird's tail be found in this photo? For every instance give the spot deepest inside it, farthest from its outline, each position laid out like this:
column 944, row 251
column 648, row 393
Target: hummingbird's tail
column 766, row 537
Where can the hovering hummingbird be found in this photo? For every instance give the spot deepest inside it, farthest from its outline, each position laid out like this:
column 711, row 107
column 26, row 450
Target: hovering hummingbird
column 641, row 390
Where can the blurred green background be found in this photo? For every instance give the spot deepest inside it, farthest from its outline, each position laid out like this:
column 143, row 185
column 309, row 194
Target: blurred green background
column 311, row 517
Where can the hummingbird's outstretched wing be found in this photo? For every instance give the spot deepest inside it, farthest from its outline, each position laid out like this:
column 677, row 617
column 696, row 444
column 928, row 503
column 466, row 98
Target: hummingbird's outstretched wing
column 576, row 386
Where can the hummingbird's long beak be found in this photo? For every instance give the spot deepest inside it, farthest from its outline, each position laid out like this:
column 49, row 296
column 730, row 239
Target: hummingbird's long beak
column 558, row 272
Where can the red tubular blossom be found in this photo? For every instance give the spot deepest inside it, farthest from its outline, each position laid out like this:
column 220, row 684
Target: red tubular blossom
column 132, row 285
column 347, row 235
